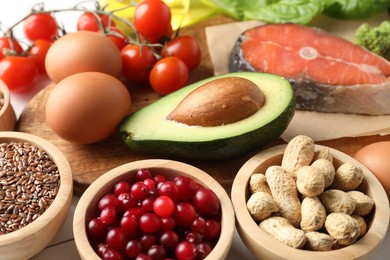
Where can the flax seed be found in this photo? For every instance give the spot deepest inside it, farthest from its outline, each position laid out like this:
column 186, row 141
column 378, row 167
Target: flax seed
column 29, row 183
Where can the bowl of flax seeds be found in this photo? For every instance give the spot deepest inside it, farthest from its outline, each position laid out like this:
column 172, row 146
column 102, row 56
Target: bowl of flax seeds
column 36, row 189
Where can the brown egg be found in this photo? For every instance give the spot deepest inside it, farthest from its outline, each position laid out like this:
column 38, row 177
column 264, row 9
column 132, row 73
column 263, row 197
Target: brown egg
column 376, row 157
column 82, row 51
column 87, row 107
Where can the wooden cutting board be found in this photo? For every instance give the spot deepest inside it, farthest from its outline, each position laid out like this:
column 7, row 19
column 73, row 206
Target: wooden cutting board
column 88, row 162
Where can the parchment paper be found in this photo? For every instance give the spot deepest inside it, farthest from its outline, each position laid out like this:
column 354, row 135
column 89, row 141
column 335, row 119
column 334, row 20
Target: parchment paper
column 319, row 126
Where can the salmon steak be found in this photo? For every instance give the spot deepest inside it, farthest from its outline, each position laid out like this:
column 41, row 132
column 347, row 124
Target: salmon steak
column 327, row 72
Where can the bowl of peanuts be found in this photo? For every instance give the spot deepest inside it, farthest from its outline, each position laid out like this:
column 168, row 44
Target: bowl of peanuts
column 154, row 209
column 36, row 188
column 306, row 201
column 7, row 113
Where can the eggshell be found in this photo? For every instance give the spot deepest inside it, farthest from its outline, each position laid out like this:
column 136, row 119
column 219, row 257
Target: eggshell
column 82, row 51
column 86, row 107
column 376, row 157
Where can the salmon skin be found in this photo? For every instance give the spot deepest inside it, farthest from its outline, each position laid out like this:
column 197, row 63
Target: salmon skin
column 327, row 73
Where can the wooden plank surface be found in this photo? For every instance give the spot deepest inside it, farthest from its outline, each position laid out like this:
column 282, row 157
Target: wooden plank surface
column 88, row 162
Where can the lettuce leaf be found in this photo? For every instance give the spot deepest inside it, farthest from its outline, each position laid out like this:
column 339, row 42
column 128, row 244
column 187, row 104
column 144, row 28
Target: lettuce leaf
column 284, row 11
column 296, row 11
column 348, row 9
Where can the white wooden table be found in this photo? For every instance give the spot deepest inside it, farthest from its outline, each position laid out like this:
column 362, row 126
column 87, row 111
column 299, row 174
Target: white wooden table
column 63, row 246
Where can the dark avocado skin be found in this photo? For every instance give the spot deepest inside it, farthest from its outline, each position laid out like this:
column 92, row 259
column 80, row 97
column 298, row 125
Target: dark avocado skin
column 219, row 149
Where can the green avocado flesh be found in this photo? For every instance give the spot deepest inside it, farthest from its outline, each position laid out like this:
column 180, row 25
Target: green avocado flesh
column 148, row 130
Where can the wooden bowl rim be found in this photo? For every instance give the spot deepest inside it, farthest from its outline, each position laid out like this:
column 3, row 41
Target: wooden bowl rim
column 222, row 247
column 63, row 197
column 364, row 246
column 7, row 98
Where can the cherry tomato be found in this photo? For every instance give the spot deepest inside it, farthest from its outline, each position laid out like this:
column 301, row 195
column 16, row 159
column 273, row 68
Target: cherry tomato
column 38, row 53
column 152, row 19
column 19, row 73
column 136, row 65
column 168, row 75
column 116, row 36
column 6, row 42
column 40, row 26
column 88, row 21
column 185, row 48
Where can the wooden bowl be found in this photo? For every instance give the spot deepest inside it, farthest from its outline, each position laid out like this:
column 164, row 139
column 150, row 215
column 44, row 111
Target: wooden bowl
column 35, row 236
column 265, row 247
column 7, row 113
column 86, row 208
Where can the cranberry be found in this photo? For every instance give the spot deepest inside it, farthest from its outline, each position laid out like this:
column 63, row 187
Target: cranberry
column 108, row 215
column 127, row 201
column 168, row 188
column 133, row 248
column 213, row 229
column 116, row 239
column 143, row 257
column 143, row 174
column 186, row 187
column 185, row 251
column 206, row 202
column 167, row 223
column 159, row 179
column 96, row 229
column 109, row 200
column 111, row 254
column 150, row 183
column 203, row 250
column 101, row 248
column 199, row 225
column 149, row 222
column 138, row 212
column 184, row 214
column 169, row 239
column 147, row 204
column 129, row 223
column 163, row 206
column 122, row 187
column 194, row 237
column 147, row 240
column 139, row 190
column 157, row 252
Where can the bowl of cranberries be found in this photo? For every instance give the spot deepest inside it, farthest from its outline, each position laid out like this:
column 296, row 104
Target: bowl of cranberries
column 154, row 209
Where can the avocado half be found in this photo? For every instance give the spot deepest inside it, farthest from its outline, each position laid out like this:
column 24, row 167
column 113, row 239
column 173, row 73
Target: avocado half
column 149, row 130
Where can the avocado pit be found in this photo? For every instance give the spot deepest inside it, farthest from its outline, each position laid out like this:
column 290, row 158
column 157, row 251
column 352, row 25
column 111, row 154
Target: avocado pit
column 219, row 102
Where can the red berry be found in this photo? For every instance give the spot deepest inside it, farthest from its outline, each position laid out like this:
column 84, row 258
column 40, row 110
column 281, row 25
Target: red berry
column 109, row 200
column 168, row 188
column 133, row 248
column 203, row 250
column 168, row 223
column 213, row 229
column 186, row 187
column 206, row 202
column 184, row 214
column 139, row 190
column 129, row 223
column 143, row 174
column 169, row 239
column 163, row 206
column 149, row 222
column 116, row 239
column 185, row 251
column 122, row 187
column 96, row 229
column 108, row 215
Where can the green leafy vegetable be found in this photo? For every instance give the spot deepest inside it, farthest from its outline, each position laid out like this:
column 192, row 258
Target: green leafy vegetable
column 356, row 8
column 375, row 39
column 297, row 11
